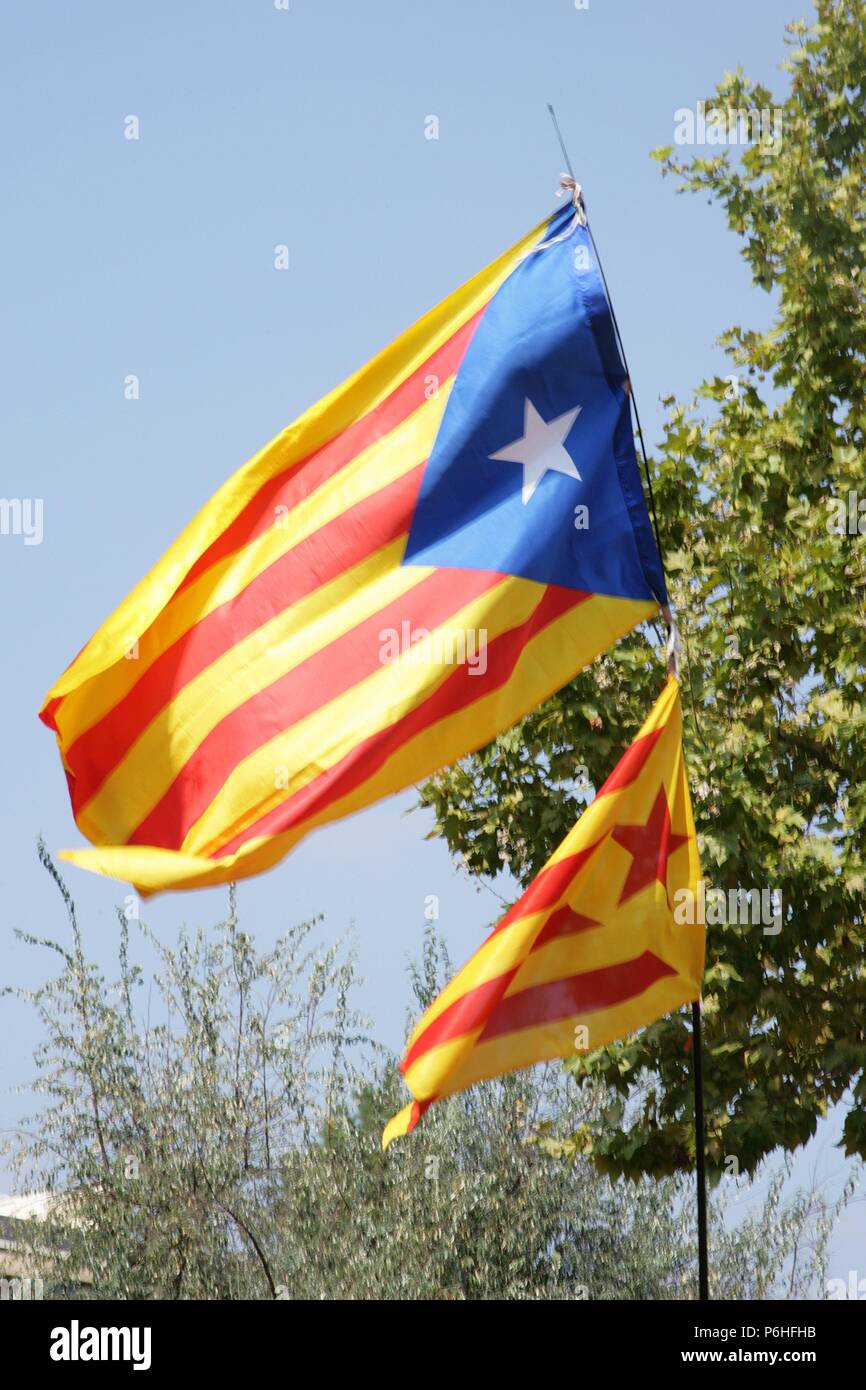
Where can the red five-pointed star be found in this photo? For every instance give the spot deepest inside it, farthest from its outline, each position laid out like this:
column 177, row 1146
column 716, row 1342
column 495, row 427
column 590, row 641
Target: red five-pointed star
column 650, row 846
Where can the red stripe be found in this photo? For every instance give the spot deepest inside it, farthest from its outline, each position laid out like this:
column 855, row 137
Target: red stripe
column 419, row 1107
column 565, row 922
column 548, row 885
column 324, row 675
column 464, row 1015
column 551, row 882
column 471, row 1009
column 576, row 994
column 49, row 710
column 314, row 561
column 301, row 478
column 305, row 475
column 632, row 762
column 459, row 690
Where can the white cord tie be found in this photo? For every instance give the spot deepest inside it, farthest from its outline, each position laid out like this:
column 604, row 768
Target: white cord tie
column 569, row 185
column 674, row 646
column 566, row 185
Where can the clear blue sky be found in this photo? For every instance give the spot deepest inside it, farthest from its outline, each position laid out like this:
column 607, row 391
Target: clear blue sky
column 155, row 257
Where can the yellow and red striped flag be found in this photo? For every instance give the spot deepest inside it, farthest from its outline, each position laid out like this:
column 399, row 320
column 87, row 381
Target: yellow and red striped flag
column 592, row 950
column 420, row 559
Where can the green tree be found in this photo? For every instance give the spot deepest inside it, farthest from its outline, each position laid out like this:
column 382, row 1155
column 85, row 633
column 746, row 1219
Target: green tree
column 769, row 589
column 478, row 1203
column 163, row 1135
column 220, row 1137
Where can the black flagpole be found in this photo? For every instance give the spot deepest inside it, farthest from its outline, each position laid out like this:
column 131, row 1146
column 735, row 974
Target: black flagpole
column 700, row 1154
column 697, row 1057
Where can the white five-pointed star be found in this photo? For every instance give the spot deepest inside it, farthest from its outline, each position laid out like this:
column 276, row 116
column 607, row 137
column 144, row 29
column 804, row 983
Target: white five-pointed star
column 541, row 447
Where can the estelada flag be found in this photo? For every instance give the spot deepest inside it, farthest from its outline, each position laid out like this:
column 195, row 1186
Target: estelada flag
column 592, row 950
column 420, row 559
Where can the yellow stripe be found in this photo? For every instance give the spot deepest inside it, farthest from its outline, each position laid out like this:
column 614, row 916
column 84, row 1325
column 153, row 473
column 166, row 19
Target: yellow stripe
column 624, row 935
column 639, row 924
column 496, row 956
column 545, row 664
column 666, row 715
column 328, row 735
column 542, row 1043
column 355, row 397
column 387, row 459
column 541, row 668
column 643, row 923
column 145, row 773
column 397, row 1125
column 431, row 1075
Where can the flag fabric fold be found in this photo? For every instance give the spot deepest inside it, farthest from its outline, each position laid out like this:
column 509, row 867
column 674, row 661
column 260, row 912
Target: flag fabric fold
column 593, row 950
column 420, row 559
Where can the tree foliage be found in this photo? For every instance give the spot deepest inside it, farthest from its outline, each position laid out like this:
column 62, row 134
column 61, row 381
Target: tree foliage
column 768, row 584
column 218, row 1135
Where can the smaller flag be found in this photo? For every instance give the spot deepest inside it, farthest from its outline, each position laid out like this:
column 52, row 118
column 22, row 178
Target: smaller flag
column 593, row 950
